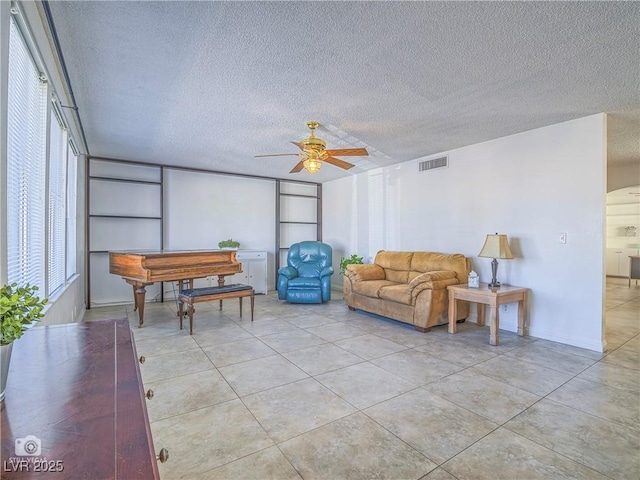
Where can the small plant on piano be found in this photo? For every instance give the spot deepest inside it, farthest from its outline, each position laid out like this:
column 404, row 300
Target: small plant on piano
column 229, row 244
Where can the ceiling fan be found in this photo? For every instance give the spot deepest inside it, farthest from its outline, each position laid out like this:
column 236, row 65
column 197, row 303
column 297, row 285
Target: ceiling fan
column 315, row 153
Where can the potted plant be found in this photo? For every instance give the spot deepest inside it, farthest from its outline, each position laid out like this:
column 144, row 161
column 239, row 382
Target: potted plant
column 19, row 308
column 229, row 244
column 349, row 260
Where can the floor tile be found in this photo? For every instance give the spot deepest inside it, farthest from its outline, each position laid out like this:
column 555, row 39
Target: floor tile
column 237, row 352
column 292, row 340
column 336, row 331
column 269, row 327
column 161, row 345
column 201, row 440
column 552, row 358
column 222, row 334
column 357, row 448
column 506, row 455
column 438, row 474
column 310, row 320
column 600, row 400
column 613, row 375
column 178, row 395
column 494, row 400
column 455, row 352
column 161, row 367
column 603, row 446
column 364, row 384
column 261, row 374
column 625, row 357
column 417, row 367
column 298, row 407
column 435, row 427
column 322, row 358
column 369, row 346
column 267, row 464
column 526, row 376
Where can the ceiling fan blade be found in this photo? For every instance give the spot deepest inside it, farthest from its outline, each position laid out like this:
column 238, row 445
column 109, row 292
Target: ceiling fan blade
column 299, row 145
column 299, row 166
column 279, row 155
column 347, row 152
column 338, row 163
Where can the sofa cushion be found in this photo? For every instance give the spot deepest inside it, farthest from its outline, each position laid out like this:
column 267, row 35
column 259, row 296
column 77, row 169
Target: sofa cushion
column 304, row 282
column 370, row 288
column 400, row 276
column 394, row 260
column 396, row 293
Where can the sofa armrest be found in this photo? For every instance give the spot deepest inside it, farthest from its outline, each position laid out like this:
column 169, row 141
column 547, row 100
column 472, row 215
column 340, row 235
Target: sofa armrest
column 362, row 272
column 436, row 280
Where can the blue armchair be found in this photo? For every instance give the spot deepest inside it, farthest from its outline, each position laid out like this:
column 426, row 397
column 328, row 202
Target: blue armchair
column 307, row 276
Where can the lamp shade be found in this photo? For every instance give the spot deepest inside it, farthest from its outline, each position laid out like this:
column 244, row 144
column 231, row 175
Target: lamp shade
column 312, row 164
column 496, row 246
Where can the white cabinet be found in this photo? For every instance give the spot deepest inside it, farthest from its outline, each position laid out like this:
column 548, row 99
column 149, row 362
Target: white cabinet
column 254, row 270
column 617, row 261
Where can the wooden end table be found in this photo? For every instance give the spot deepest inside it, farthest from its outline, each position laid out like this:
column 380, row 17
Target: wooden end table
column 494, row 297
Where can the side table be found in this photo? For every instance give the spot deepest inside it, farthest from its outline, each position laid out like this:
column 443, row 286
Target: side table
column 494, row 297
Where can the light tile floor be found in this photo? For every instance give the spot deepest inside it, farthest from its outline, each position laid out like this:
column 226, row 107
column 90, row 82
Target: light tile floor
column 320, row 392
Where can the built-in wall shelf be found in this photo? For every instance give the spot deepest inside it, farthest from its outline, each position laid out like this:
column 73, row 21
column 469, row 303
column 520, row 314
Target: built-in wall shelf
column 298, row 216
column 124, row 212
column 126, row 216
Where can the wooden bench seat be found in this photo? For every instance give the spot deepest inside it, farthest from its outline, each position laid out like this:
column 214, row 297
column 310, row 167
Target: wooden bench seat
column 194, row 295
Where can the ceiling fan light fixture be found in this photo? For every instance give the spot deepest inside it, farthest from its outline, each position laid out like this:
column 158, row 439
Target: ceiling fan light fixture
column 312, row 165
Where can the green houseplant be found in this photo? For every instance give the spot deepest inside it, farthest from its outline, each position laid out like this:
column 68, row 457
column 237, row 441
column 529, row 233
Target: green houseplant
column 229, row 244
column 348, row 261
column 19, row 308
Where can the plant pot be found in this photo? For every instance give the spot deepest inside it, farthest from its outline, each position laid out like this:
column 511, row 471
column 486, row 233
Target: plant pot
column 5, row 358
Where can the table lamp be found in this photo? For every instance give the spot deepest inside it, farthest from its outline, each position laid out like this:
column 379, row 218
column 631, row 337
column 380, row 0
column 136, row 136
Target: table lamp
column 495, row 246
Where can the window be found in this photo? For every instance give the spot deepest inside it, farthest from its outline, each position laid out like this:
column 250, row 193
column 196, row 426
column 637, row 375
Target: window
column 26, row 164
column 57, row 203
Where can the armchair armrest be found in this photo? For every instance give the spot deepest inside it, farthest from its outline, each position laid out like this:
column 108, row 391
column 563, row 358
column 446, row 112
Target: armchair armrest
column 361, row 272
column 326, row 271
column 288, row 272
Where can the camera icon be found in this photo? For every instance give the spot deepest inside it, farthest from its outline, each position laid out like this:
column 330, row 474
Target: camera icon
column 28, row 446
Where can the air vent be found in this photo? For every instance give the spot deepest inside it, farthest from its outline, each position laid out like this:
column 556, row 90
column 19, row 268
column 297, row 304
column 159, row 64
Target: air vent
column 441, row 162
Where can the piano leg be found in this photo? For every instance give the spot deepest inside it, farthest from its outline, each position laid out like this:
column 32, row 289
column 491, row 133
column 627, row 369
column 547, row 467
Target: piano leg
column 140, row 292
column 135, row 299
column 221, row 284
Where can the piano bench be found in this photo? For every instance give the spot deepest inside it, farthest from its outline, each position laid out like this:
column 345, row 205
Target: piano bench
column 208, row 294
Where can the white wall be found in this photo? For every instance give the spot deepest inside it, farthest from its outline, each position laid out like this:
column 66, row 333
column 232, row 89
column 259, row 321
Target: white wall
column 530, row 186
column 202, row 209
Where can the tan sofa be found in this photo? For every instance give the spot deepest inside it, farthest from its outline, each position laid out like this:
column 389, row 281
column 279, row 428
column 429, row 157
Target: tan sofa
column 407, row 286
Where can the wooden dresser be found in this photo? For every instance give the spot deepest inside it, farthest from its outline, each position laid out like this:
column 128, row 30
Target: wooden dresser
column 74, row 399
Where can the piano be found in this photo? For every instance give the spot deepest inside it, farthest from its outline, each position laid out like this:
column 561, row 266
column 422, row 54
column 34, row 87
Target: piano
column 140, row 269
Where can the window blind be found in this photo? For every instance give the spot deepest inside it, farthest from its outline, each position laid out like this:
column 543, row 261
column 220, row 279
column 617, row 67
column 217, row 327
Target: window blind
column 57, row 199
column 72, row 179
column 26, row 165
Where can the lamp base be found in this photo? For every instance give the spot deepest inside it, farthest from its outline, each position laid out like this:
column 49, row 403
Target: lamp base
column 494, row 272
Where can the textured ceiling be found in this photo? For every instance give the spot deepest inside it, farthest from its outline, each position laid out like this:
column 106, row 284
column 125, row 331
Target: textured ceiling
column 211, row 84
